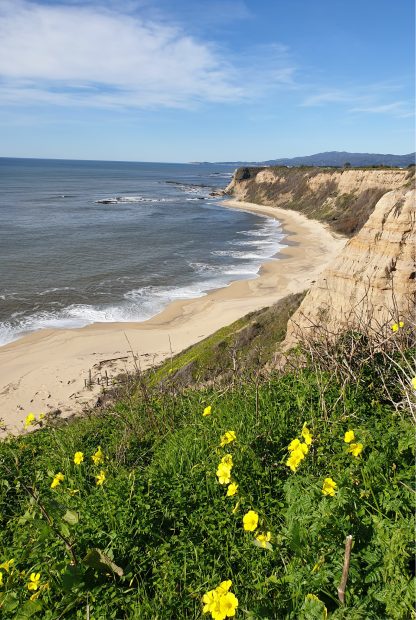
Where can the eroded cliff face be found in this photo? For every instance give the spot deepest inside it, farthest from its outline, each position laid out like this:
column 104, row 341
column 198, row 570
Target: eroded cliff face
column 344, row 198
column 373, row 279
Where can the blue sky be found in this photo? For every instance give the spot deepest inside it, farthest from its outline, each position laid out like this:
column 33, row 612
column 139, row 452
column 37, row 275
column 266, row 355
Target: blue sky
column 217, row 80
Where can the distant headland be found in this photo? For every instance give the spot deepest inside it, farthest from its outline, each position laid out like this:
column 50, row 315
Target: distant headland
column 337, row 159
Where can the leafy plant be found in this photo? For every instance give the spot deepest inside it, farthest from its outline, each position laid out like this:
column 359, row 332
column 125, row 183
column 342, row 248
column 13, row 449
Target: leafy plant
column 142, row 527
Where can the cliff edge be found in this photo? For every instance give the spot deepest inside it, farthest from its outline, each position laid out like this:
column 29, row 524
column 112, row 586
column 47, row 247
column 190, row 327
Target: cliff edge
column 344, row 198
column 373, row 279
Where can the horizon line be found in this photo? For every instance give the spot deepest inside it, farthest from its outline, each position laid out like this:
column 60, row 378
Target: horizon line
column 137, row 161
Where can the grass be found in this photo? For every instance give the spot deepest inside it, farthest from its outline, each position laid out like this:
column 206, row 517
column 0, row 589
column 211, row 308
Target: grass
column 249, row 342
column 160, row 531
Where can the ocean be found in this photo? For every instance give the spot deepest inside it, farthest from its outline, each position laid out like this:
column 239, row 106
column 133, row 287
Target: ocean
column 92, row 241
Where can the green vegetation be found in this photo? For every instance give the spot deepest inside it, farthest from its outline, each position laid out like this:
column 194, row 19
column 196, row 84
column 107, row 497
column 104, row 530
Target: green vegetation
column 249, row 342
column 121, row 514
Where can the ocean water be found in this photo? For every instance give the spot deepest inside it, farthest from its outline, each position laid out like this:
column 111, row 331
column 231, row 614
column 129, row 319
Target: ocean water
column 85, row 241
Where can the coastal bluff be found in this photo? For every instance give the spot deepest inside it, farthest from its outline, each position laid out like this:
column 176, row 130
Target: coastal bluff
column 343, row 198
column 373, row 278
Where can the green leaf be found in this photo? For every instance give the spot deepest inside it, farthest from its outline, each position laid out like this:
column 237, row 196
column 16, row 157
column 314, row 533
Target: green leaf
column 71, row 578
column 43, row 532
column 27, row 516
column 406, row 442
column 97, row 559
column 272, row 579
column 9, row 601
column 29, row 609
column 71, row 517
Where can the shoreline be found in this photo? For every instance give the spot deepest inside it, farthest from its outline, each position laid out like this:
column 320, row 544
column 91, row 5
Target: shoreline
column 46, row 370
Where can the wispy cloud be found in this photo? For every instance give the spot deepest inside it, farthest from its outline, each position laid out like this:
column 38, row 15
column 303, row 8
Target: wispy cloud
column 328, row 96
column 370, row 99
column 398, row 108
column 90, row 55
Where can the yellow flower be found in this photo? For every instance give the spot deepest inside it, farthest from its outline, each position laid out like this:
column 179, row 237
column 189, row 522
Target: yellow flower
column 33, row 581
column 349, row 436
column 43, row 587
column 224, row 473
column 78, row 458
column 232, row 489
column 207, row 410
column 304, row 448
column 224, row 587
column 57, row 480
column 295, row 443
column 6, row 565
column 100, row 478
column 396, row 326
column 306, row 434
column 356, row 448
column 220, row 602
column 263, row 539
column 209, row 599
column 250, row 521
column 228, row 605
column 228, row 437
column 413, row 382
column 227, row 459
column 329, row 487
column 293, row 462
column 1, row 578
column 296, row 457
column 29, row 420
column 98, row 457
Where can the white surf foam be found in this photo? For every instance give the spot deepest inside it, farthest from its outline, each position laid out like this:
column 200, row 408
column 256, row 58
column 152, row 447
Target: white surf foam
column 142, row 303
column 131, row 200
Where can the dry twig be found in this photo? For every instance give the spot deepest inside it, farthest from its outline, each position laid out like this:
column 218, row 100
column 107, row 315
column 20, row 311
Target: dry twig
column 345, row 569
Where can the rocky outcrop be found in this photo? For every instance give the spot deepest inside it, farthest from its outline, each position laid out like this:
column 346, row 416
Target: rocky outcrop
column 344, row 198
column 373, row 279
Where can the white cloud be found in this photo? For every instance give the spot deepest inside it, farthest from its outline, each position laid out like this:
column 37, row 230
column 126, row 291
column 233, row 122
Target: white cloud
column 89, row 55
column 330, row 96
column 362, row 100
column 399, row 108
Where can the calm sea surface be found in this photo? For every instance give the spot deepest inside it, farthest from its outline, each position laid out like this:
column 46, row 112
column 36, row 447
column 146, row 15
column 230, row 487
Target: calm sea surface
column 84, row 241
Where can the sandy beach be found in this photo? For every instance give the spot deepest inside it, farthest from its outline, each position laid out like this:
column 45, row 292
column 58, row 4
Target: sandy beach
column 47, row 370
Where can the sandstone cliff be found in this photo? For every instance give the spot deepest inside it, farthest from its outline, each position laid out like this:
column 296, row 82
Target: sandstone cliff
column 342, row 197
column 373, row 279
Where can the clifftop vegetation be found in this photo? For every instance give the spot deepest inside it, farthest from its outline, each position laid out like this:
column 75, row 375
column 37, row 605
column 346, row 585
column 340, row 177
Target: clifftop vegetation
column 213, row 469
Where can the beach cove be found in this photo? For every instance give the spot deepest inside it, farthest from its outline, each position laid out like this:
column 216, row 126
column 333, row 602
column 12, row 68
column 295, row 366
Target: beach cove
column 47, row 370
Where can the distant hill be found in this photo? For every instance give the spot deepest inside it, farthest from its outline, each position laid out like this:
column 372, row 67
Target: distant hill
column 338, row 158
